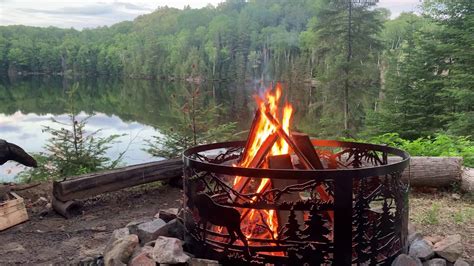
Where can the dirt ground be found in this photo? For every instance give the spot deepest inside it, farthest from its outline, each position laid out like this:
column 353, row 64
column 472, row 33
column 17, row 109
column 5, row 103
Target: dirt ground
column 53, row 239
column 445, row 213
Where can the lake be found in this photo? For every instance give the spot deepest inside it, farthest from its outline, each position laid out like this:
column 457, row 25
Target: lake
column 136, row 108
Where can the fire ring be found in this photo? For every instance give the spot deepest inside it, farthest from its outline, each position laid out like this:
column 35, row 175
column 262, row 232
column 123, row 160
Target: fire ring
column 355, row 210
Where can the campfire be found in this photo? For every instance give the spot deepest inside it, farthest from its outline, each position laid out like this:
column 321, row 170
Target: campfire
column 282, row 198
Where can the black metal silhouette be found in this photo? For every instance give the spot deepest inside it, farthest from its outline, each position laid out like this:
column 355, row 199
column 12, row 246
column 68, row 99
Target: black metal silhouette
column 367, row 197
column 316, row 227
column 292, row 228
column 10, row 151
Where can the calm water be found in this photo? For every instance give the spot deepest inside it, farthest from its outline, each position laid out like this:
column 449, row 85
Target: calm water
column 136, row 108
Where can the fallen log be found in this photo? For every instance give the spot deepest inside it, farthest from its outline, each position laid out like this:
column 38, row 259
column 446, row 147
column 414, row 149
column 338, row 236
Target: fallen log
column 432, row 171
column 467, row 179
column 88, row 185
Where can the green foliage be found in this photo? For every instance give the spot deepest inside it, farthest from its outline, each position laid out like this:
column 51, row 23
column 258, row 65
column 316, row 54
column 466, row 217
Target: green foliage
column 71, row 150
column 430, row 86
column 439, row 145
column 196, row 121
column 411, row 75
column 431, row 216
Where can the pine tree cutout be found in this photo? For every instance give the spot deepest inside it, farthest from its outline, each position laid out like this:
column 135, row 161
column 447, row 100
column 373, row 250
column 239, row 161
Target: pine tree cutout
column 361, row 222
column 292, row 231
column 316, row 229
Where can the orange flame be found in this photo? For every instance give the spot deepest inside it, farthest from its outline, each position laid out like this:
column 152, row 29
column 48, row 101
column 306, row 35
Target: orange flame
column 263, row 129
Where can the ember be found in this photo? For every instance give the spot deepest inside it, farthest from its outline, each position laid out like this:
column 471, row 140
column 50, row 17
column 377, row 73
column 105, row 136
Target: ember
column 270, row 200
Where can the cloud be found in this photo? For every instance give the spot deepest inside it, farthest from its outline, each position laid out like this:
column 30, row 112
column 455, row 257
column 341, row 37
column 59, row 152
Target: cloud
column 399, row 6
column 9, row 128
column 82, row 11
column 97, row 9
column 84, row 14
column 132, row 6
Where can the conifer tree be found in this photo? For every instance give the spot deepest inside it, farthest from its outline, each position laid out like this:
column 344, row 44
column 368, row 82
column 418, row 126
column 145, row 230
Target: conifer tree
column 316, row 227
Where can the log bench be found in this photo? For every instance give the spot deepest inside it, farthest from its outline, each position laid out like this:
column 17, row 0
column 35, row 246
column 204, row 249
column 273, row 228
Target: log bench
column 85, row 186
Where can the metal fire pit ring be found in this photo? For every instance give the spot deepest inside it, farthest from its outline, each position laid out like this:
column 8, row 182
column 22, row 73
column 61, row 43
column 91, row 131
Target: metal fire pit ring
column 360, row 233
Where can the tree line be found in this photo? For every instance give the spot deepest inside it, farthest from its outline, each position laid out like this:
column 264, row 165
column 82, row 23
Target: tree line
column 411, row 75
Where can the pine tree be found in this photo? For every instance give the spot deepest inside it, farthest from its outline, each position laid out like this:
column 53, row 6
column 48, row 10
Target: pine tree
column 316, row 227
column 292, row 228
column 361, row 223
column 196, row 123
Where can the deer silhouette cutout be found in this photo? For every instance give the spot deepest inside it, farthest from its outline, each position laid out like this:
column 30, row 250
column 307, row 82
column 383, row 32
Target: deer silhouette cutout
column 216, row 214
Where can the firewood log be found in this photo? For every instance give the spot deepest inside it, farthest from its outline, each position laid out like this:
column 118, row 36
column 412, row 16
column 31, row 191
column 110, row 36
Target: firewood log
column 432, row 171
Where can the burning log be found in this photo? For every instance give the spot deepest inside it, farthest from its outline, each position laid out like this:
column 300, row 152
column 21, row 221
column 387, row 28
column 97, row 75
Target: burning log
column 303, row 142
column 284, row 162
column 288, row 140
column 251, row 136
column 258, row 159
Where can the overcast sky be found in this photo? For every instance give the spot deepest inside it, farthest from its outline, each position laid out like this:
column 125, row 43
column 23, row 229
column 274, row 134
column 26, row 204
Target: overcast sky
column 93, row 13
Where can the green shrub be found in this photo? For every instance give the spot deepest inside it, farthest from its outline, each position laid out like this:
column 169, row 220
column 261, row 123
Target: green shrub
column 71, row 150
column 439, row 145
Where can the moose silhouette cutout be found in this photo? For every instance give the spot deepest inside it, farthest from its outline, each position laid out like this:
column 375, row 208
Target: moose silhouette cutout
column 211, row 212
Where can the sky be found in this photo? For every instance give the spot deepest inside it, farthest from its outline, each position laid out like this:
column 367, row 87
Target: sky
column 94, row 13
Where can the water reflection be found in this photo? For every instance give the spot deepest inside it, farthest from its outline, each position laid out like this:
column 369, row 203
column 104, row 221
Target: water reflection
column 138, row 108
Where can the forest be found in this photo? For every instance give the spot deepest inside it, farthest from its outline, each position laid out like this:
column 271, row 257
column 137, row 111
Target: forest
column 411, row 75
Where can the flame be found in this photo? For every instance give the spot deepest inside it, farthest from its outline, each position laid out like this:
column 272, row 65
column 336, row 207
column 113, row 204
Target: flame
column 263, row 128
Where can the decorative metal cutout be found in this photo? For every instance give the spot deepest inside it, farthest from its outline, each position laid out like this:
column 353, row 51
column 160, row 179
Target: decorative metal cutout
column 363, row 222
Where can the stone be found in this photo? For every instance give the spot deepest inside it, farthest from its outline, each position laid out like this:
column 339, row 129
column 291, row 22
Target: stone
column 449, row 248
column 167, row 214
column 169, row 250
column 433, row 239
column 421, row 249
column 202, row 262
column 435, row 262
column 144, row 257
column 175, row 229
column 456, row 196
column 149, row 231
column 120, row 251
column 117, row 234
column 461, row 262
column 405, row 260
column 412, row 234
column 132, row 226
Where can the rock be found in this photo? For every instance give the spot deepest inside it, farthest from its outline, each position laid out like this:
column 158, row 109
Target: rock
column 467, row 179
column 449, row 248
column 456, row 196
column 421, row 249
column 132, row 226
column 117, row 234
column 461, row 262
column 435, row 262
column 151, row 230
column 433, row 239
column 405, row 260
column 144, row 257
column 202, row 262
column 120, row 251
column 175, row 229
column 412, row 234
column 169, row 250
column 167, row 214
